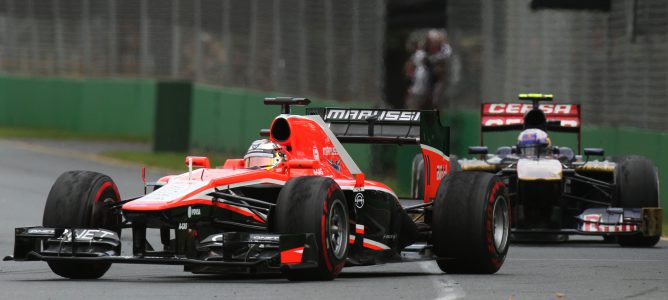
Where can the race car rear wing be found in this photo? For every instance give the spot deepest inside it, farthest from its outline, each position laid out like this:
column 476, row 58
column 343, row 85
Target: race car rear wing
column 512, row 116
column 386, row 126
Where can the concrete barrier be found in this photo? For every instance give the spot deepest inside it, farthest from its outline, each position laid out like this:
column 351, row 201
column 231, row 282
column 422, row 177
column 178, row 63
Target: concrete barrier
column 110, row 106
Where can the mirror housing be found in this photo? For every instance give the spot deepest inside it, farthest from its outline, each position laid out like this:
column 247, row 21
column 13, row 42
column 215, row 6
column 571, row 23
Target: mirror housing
column 199, row 161
column 594, row 151
column 482, row 150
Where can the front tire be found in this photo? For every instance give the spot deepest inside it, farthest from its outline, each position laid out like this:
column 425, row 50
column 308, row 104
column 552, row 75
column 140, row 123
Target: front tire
column 637, row 186
column 313, row 204
column 77, row 199
column 471, row 223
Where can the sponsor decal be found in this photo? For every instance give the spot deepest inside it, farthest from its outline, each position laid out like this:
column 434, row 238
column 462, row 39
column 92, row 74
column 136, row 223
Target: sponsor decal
column 336, row 164
column 194, row 211
column 441, row 171
column 329, row 151
column 318, row 172
column 520, row 108
column 359, row 200
column 316, row 154
column 264, row 238
column 41, row 231
column 500, row 121
column 389, row 236
column 86, row 234
column 364, row 114
column 183, row 226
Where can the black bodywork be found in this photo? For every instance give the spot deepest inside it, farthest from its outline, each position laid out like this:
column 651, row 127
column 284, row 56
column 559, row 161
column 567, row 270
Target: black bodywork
column 585, row 188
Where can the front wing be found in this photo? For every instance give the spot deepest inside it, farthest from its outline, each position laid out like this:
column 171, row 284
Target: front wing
column 612, row 221
column 225, row 251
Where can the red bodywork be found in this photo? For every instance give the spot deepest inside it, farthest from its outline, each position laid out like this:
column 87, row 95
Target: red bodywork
column 311, row 149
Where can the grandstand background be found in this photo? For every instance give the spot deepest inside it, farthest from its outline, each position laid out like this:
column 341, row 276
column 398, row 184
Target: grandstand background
column 611, row 56
column 325, row 49
column 68, row 64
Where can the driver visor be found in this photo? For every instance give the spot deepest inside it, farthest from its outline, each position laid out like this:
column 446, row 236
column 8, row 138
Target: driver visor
column 258, row 161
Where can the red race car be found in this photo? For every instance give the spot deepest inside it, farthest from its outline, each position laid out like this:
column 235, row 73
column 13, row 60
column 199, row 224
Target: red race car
column 296, row 203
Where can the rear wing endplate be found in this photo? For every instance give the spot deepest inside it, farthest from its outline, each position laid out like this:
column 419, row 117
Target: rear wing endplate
column 386, row 126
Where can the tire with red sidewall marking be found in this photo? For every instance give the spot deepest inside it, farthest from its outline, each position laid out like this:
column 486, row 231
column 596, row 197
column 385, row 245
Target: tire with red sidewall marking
column 313, row 204
column 471, row 223
column 77, row 199
column 636, row 186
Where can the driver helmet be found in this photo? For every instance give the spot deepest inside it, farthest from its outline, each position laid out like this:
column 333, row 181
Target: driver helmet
column 263, row 154
column 533, row 143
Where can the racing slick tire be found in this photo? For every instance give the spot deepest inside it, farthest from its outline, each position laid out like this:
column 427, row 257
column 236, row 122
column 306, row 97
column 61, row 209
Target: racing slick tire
column 77, row 199
column 471, row 223
column 313, row 204
column 637, row 186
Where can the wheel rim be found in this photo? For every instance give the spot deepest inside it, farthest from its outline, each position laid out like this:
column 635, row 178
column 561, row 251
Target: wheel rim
column 501, row 223
column 337, row 224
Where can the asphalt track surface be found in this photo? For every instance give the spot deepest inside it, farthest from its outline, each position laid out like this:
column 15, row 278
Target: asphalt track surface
column 583, row 269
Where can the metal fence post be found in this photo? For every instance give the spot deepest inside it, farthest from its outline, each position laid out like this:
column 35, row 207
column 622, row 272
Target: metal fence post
column 354, row 60
column 60, row 53
column 227, row 42
column 329, row 50
column 11, row 37
column 34, row 37
column 252, row 38
column 85, row 38
column 112, row 60
column 176, row 39
column 197, row 20
column 144, row 38
column 277, row 53
column 380, row 45
column 303, row 53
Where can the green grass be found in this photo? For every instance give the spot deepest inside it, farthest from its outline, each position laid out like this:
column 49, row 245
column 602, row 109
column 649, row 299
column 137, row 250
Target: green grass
column 50, row 133
column 164, row 160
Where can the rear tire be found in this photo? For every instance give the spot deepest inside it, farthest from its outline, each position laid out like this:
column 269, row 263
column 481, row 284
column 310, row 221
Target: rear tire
column 77, row 199
column 637, row 186
column 313, row 204
column 471, row 223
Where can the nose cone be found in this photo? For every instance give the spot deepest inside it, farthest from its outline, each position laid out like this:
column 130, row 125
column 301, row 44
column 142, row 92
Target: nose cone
column 540, row 169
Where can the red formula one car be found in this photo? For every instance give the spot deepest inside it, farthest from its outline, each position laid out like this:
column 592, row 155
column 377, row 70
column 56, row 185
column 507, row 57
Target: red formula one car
column 296, row 203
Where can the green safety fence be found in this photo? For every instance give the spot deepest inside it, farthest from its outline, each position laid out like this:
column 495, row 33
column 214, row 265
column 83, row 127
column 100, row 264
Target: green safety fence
column 228, row 120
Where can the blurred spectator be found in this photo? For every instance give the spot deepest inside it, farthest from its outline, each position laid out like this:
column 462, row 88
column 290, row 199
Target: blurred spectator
column 426, row 70
column 439, row 55
column 418, row 75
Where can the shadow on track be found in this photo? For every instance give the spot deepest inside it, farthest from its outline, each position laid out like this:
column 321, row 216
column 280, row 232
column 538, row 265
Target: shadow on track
column 229, row 278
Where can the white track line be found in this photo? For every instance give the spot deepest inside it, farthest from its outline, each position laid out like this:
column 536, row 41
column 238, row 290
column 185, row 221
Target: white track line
column 586, row 259
column 446, row 288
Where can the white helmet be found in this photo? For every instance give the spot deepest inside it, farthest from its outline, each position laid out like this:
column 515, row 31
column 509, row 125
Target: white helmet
column 534, row 142
column 263, row 154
